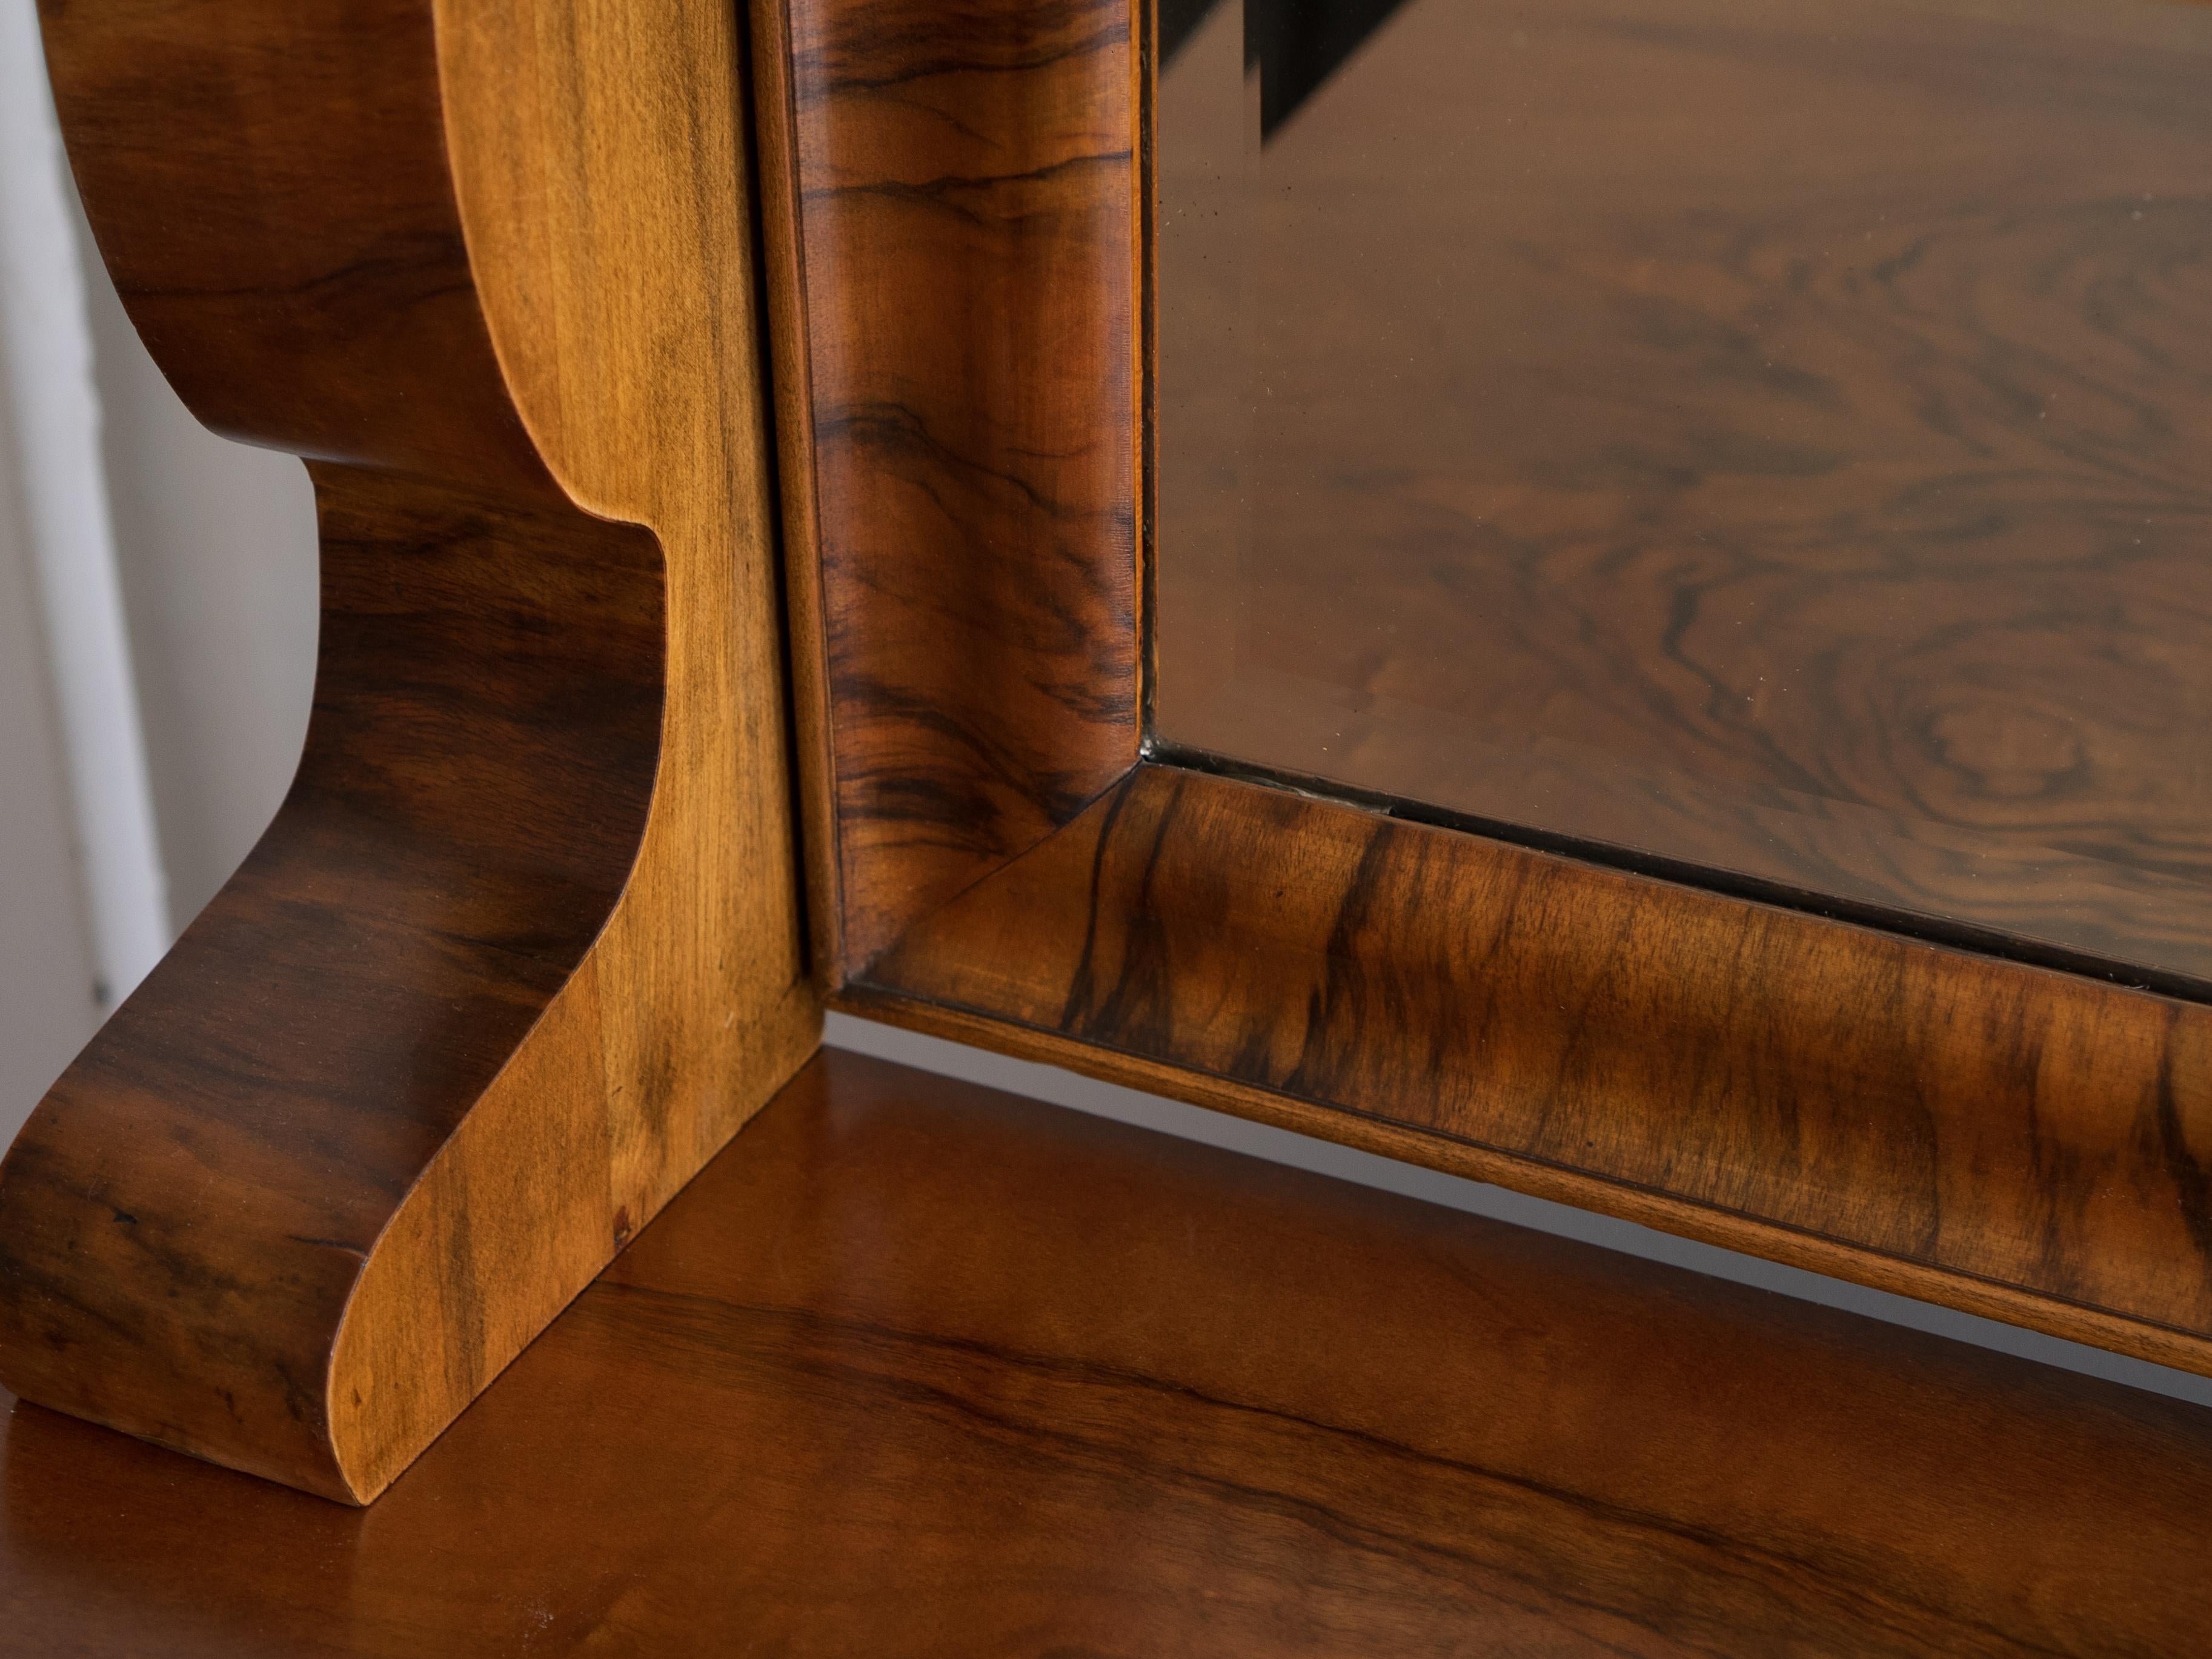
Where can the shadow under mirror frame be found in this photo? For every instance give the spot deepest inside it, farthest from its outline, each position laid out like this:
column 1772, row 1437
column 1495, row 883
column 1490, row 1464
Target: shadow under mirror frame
column 955, row 205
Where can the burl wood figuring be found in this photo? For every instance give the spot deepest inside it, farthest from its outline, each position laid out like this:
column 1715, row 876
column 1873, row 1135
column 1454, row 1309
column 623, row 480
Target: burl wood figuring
column 522, row 948
column 2021, row 1141
column 918, row 1370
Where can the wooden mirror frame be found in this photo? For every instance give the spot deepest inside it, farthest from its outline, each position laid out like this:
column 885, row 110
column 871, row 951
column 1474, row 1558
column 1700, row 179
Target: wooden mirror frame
column 526, row 943
column 956, row 201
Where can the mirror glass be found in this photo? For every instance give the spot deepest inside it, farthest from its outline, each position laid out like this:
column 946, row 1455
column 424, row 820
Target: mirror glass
column 1767, row 441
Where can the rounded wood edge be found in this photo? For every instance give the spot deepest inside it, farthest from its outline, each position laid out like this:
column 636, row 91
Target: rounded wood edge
column 601, row 161
column 953, row 209
column 2137, row 1338
column 783, row 257
column 508, row 1092
column 609, row 249
column 186, row 1213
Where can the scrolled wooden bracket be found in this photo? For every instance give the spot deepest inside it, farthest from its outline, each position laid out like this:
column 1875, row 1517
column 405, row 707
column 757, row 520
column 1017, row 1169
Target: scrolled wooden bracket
column 522, row 948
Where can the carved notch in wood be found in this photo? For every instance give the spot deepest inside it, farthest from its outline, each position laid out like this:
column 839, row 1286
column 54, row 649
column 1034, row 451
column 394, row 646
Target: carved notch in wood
column 522, row 948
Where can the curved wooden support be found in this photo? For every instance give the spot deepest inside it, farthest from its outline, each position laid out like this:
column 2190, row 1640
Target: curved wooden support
column 522, row 950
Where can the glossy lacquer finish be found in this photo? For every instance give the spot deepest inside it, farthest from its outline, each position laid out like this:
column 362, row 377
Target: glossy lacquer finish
column 953, row 232
column 1769, row 438
column 521, row 948
column 1953, row 1122
column 914, row 1369
column 2021, row 1142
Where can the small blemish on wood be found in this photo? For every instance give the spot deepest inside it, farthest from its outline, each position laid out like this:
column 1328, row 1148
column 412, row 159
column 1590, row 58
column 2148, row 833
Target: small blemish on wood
column 340, row 1245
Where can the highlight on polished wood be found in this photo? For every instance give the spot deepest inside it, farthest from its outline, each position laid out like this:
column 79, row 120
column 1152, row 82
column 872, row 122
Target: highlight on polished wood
column 526, row 943
column 522, row 948
column 952, row 219
column 916, row 1369
column 2033, row 1144
column 2020, row 1143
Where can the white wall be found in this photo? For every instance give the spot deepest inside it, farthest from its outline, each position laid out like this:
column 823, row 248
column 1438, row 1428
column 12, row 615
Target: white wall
column 215, row 547
column 49, row 1002
column 210, row 548
column 157, row 621
column 82, row 911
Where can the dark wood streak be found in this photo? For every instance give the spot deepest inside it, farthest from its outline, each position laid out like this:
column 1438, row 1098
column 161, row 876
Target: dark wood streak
column 962, row 210
column 2016, row 1141
column 261, row 1106
column 916, row 1369
column 1994, row 1136
column 2186, row 1167
column 452, row 1032
column 475, row 780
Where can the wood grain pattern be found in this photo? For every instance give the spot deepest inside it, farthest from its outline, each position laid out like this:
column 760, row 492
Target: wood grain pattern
column 915, row 1368
column 959, row 335
column 1986, row 1135
column 522, row 948
column 1766, row 438
column 2021, row 1143
column 806, row 658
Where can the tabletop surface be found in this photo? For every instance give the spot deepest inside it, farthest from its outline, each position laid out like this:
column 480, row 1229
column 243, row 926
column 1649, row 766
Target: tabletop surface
column 917, row 1368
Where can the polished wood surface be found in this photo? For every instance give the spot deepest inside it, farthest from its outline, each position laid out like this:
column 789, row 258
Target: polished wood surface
column 522, row 948
column 1770, row 438
column 951, row 193
column 1755, row 1068
column 2023, row 1143
column 918, row 1369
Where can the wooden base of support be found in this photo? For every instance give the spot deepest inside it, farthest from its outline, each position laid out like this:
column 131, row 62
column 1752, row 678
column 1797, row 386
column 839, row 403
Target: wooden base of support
column 522, row 949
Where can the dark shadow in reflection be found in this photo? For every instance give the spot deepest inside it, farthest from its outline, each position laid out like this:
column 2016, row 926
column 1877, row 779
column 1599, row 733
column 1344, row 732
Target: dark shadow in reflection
column 1297, row 44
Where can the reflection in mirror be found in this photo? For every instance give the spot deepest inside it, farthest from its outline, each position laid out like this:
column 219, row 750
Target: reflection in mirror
column 1766, row 438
